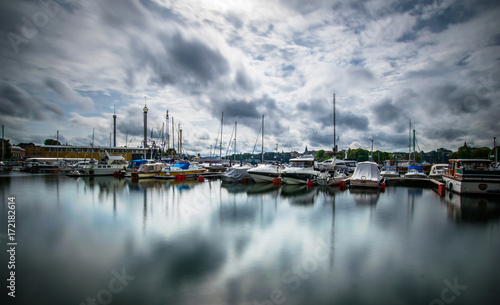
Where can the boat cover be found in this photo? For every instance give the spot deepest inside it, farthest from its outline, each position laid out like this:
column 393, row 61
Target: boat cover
column 366, row 171
column 236, row 173
column 182, row 165
column 419, row 168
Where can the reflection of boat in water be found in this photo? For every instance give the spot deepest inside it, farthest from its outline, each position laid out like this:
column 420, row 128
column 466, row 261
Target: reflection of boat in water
column 236, row 187
column 298, row 194
column 472, row 209
column 365, row 196
column 261, row 188
column 146, row 183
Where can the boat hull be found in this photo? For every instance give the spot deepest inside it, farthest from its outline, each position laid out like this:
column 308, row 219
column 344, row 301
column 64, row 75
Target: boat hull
column 263, row 177
column 472, row 185
column 365, row 183
column 298, row 178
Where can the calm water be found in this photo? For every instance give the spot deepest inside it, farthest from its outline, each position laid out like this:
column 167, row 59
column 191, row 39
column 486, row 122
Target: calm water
column 159, row 242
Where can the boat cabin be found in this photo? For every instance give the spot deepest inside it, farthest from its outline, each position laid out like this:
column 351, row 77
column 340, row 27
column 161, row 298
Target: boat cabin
column 458, row 167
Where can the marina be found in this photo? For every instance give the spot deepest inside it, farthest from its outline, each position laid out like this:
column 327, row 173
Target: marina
column 186, row 242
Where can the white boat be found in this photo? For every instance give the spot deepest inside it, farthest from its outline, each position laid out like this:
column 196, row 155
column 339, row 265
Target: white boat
column 265, row 173
column 366, row 174
column 181, row 168
column 326, row 178
column 415, row 171
column 472, row 176
column 438, row 170
column 389, row 171
column 236, row 173
column 107, row 166
column 300, row 171
column 148, row 170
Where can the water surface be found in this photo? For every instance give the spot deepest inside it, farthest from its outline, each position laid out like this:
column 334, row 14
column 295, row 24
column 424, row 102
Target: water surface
column 168, row 242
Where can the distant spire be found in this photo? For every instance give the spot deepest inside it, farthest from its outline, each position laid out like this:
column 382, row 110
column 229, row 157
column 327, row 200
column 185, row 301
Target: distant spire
column 465, row 143
column 306, row 150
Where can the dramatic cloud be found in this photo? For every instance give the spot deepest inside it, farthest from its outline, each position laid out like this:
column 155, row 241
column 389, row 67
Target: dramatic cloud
column 67, row 65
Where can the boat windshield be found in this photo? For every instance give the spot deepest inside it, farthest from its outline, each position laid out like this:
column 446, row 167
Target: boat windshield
column 301, row 164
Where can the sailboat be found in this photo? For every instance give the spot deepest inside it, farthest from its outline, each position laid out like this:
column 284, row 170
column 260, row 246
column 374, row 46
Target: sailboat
column 265, row 173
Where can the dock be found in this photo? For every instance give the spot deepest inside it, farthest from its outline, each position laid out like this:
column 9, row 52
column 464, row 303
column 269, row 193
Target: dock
column 420, row 182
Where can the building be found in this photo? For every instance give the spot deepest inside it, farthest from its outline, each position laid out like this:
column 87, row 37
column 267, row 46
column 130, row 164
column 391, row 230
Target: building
column 63, row 151
column 17, row 152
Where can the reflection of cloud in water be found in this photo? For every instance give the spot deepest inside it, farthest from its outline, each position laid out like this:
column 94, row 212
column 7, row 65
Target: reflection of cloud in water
column 298, row 194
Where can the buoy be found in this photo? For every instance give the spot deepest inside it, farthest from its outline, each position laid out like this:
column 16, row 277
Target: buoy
column 178, row 178
column 183, row 177
column 277, row 181
column 382, row 187
column 201, row 178
column 245, row 180
column 310, row 183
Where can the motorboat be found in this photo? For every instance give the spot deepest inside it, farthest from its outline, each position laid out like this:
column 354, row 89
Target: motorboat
column 181, row 168
column 5, row 168
column 134, row 165
column 415, row 171
column 148, row 170
column 107, row 166
column 265, row 173
column 366, row 174
column 438, row 170
column 389, row 171
column 472, row 176
column 300, row 171
column 236, row 173
column 327, row 178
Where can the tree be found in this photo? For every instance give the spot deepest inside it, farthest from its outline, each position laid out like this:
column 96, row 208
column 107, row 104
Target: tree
column 320, row 155
column 6, row 148
column 51, row 142
column 481, row 153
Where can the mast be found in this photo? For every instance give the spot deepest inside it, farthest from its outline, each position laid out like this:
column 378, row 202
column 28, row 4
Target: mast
column 409, row 143
column 235, row 126
column 57, row 143
column 180, row 140
column 3, row 145
column 262, row 139
column 173, row 135
column 114, row 126
column 220, row 148
column 414, row 146
column 92, row 147
column 168, row 139
column 334, row 136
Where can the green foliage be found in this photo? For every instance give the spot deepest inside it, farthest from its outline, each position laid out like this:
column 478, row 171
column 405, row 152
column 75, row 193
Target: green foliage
column 7, row 153
column 51, row 142
column 320, row 155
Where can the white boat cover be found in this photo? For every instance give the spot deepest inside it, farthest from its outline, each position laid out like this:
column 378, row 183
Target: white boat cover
column 366, row 171
column 236, row 173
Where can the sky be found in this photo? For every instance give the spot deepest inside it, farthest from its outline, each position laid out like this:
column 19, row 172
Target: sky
column 68, row 66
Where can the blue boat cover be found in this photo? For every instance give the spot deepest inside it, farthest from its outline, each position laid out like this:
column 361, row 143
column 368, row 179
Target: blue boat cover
column 182, row 165
column 415, row 167
column 136, row 163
